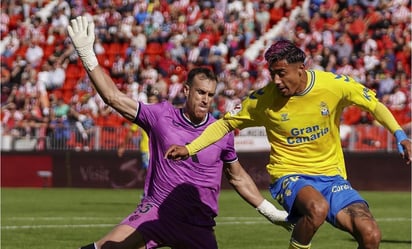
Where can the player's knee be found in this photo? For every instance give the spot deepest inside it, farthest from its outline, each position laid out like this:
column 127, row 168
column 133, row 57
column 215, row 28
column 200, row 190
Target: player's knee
column 318, row 211
column 371, row 237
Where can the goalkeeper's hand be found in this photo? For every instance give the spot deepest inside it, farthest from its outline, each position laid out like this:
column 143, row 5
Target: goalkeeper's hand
column 274, row 215
column 81, row 32
column 404, row 145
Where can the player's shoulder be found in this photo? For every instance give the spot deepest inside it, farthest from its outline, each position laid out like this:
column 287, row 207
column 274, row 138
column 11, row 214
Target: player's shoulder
column 331, row 79
column 330, row 76
column 322, row 75
column 163, row 106
column 267, row 91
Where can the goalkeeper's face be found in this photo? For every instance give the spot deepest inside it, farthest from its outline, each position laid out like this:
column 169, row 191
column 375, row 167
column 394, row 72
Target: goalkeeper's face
column 199, row 98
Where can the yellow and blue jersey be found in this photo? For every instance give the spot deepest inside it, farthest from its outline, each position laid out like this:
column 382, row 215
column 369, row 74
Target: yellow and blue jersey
column 303, row 130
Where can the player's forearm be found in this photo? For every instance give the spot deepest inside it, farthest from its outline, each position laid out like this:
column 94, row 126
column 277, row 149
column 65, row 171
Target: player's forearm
column 211, row 134
column 385, row 118
column 103, row 84
column 111, row 95
column 244, row 185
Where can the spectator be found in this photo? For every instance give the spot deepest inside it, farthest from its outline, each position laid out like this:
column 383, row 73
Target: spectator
column 34, row 54
column 59, row 20
column 371, row 60
column 160, row 88
column 12, row 120
column 343, row 47
column 175, row 87
column 262, row 18
column 51, row 76
column 386, row 84
column 5, row 84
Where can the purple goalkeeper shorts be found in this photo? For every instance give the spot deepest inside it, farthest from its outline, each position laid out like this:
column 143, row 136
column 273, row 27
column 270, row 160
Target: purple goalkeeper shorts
column 168, row 230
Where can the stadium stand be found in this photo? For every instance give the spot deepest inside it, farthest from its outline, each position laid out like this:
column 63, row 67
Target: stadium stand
column 142, row 43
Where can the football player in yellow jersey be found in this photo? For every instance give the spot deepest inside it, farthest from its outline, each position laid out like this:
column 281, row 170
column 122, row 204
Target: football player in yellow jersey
column 301, row 111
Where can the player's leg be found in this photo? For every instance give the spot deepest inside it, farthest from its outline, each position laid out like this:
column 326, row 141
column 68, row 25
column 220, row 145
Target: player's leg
column 144, row 221
column 312, row 208
column 358, row 221
column 122, row 236
column 300, row 196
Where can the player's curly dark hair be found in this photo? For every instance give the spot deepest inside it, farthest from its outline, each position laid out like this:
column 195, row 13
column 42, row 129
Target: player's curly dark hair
column 284, row 49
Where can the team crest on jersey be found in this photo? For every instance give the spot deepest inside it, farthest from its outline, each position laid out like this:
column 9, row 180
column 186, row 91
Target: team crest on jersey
column 324, row 109
column 284, row 117
column 236, row 109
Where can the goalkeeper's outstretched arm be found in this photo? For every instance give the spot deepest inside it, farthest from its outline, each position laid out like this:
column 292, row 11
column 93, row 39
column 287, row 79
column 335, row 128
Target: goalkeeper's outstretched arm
column 81, row 32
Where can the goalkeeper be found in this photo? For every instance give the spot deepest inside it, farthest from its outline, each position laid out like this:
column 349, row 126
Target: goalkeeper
column 181, row 198
column 301, row 110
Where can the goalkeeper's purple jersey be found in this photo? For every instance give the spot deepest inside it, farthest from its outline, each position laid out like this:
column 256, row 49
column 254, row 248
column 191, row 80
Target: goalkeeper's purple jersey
column 187, row 188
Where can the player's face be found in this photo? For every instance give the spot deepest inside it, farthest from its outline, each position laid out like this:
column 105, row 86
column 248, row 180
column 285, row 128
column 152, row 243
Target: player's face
column 290, row 79
column 199, row 98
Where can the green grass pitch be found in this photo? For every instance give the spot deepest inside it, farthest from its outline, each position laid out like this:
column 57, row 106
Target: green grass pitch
column 69, row 218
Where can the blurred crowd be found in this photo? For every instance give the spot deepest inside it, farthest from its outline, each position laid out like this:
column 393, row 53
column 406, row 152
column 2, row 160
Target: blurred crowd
column 149, row 46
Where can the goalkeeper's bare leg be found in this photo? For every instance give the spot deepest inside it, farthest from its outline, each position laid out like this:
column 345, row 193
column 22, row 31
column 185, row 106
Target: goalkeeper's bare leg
column 122, row 236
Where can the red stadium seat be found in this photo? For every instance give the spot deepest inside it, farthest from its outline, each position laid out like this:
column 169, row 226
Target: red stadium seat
column 370, row 138
column 74, row 71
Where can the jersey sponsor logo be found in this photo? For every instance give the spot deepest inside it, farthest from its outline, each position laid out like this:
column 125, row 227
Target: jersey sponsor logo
column 306, row 134
column 339, row 188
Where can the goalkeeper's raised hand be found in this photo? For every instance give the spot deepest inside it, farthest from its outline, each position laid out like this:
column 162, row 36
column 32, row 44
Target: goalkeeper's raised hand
column 81, row 32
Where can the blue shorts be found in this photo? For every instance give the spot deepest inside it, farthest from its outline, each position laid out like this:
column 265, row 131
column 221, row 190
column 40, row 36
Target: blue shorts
column 337, row 191
column 161, row 227
column 145, row 160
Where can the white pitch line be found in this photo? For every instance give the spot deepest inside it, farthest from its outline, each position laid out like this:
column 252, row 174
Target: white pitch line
column 220, row 221
column 54, row 226
column 60, row 218
column 109, row 218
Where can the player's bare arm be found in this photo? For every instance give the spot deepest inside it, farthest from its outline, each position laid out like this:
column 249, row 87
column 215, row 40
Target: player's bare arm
column 81, row 32
column 244, row 185
column 111, row 95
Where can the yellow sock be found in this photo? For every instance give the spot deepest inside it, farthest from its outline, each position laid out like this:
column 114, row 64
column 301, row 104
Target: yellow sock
column 296, row 245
